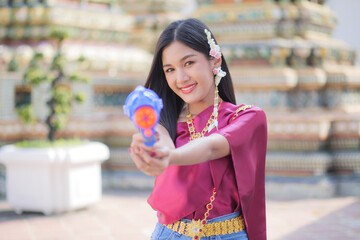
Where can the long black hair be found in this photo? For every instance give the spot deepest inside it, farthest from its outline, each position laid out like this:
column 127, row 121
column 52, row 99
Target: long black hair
column 191, row 33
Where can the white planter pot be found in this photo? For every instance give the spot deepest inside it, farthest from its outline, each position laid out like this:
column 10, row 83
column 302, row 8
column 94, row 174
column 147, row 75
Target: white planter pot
column 53, row 180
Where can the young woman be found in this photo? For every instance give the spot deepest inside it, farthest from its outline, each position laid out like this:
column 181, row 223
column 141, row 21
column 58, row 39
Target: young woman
column 209, row 158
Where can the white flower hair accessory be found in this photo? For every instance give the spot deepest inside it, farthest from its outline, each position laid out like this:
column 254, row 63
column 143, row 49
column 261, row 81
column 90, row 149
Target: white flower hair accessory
column 214, row 48
column 216, row 53
column 218, row 75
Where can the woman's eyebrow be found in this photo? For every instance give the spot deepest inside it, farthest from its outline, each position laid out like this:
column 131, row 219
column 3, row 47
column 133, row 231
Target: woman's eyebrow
column 181, row 60
column 187, row 56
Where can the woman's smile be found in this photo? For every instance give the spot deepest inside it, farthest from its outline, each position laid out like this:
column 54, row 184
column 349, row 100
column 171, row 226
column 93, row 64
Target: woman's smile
column 188, row 89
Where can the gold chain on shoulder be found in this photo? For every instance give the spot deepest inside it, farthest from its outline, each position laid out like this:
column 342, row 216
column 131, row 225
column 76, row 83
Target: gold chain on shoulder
column 240, row 109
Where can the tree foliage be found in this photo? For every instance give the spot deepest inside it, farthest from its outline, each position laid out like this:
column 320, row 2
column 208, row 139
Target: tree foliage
column 61, row 97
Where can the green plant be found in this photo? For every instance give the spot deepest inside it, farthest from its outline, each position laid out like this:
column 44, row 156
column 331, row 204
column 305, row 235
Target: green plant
column 13, row 66
column 61, row 97
column 26, row 114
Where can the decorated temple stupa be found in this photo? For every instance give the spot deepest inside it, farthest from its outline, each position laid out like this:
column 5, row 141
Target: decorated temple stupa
column 283, row 58
column 281, row 55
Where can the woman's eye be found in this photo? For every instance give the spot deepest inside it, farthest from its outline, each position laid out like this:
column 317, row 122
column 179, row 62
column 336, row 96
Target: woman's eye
column 189, row 63
column 169, row 70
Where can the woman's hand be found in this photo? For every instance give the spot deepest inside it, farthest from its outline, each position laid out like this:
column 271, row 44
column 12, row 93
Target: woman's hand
column 151, row 163
column 152, row 160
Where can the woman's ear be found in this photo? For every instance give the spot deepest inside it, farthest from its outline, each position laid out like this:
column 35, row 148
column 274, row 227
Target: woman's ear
column 216, row 62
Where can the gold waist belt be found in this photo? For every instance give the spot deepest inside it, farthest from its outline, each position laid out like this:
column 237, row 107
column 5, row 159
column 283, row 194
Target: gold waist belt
column 196, row 229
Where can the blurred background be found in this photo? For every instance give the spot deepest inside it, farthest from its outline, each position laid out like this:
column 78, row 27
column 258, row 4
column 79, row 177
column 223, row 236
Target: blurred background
column 291, row 58
column 296, row 59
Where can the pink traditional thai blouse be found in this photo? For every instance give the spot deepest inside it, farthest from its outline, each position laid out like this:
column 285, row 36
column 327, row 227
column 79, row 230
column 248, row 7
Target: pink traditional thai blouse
column 183, row 191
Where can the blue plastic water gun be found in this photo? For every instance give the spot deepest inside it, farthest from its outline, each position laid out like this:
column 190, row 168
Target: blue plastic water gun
column 143, row 107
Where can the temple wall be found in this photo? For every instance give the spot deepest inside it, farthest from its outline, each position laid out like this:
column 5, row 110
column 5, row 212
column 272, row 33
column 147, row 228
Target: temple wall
column 347, row 29
column 7, row 96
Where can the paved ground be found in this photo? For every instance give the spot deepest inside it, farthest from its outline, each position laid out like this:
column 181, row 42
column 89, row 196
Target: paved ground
column 125, row 215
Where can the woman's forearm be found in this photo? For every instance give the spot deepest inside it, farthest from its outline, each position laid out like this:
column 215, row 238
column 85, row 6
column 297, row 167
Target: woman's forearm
column 200, row 150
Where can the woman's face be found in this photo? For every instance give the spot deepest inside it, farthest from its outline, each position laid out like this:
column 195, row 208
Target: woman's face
column 189, row 74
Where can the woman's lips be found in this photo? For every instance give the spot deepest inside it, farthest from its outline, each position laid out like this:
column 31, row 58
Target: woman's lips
column 188, row 89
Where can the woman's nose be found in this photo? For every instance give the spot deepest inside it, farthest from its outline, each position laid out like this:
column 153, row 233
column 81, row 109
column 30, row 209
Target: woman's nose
column 182, row 75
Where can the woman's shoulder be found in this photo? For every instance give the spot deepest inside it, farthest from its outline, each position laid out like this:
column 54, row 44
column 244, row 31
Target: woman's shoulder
column 233, row 111
column 237, row 120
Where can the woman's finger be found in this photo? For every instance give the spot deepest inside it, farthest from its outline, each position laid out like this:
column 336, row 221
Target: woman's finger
column 151, row 163
column 138, row 141
column 139, row 162
column 160, row 152
column 148, row 169
column 155, row 159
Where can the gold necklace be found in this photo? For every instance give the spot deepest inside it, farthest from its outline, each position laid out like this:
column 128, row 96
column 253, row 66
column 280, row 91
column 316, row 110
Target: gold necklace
column 194, row 135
